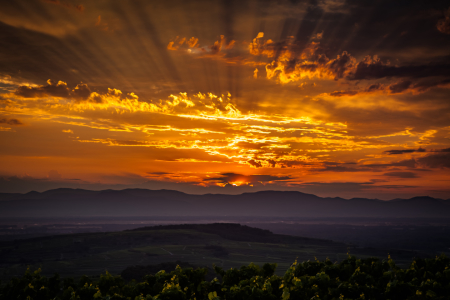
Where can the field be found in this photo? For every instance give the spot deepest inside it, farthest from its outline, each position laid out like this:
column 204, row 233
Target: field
column 224, row 245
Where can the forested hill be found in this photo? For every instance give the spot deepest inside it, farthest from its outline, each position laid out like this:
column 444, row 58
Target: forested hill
column 142, row 202
column 237, row 232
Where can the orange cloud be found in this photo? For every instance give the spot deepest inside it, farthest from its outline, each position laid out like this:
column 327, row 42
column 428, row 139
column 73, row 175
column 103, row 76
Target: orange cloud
column 192, row 46
column 105, row 26
column 180, row 42
column 293, row 62
column 219, row 130
column 249, row 138
column 290, row 61
column 443, row 25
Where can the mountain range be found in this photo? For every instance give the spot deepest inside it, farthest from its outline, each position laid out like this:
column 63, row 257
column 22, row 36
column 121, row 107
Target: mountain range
column 142, row 202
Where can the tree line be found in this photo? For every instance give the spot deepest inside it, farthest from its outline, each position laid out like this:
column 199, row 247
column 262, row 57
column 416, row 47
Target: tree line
column 352, row 278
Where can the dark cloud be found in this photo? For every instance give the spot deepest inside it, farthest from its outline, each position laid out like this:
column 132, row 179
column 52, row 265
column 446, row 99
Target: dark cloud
column 10, row 122
column 341, row 168
column 374, row 68
column 369, row 68
column 374, row 87
column 343, row 93
column 341, row 65
column 54, row 89
column 443, row 25
column 404, row 151
column 81, row 91
column 233, row 177
column 409, row 163
column 400, row 86
column 419, row 86
column 440, row 160
column 254, row 163
column 425, row 85
column 395, row 186
column 272, row 163
column 401, row 174
column 159, row 173
column 293, row 163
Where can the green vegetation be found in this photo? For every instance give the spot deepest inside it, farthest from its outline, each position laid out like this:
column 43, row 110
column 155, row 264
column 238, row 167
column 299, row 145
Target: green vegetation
column 350, row 279
column 138, row 273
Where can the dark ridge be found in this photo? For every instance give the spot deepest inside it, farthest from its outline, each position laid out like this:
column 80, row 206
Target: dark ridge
column 228, row 231
column 236, row 232
column 146, row 192
column 273, row 192
column 417, row 199
column 64, row 203
column 34, row 193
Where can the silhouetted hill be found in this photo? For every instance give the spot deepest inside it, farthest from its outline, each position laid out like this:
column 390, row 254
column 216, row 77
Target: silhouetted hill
column 142, row 202
column 236, row 232
column 151, row 249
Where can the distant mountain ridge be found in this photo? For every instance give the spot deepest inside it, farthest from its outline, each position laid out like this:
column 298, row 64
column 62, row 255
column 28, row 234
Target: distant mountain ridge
column 66, row 202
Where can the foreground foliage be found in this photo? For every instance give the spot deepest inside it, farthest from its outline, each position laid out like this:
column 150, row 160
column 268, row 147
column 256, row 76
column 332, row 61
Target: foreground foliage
column 350, row 279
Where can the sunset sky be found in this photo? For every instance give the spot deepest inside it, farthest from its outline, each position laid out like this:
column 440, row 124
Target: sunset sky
column 330, row 97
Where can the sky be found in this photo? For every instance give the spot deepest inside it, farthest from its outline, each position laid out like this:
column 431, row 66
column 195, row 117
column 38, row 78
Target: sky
column 344, row 98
